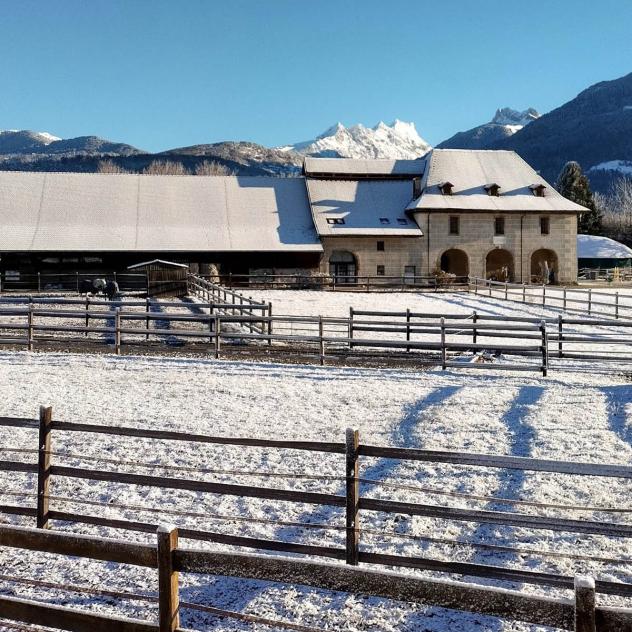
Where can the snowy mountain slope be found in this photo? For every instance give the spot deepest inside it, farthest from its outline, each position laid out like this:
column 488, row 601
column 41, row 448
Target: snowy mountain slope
column 506, row 123
column 24, row 141
column 398, row 140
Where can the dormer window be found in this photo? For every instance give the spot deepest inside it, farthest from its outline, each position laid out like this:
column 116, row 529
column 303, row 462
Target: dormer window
column 402, row 221
column 335, row 220
column 538, row 189
column 385, row 220
column 446, row 188
column 492, row 189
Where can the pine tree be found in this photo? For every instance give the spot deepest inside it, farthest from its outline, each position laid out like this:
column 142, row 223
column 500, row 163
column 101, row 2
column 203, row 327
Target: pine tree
column 574, row 185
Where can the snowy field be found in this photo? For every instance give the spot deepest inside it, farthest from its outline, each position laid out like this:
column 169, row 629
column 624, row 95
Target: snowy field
column 569, row 415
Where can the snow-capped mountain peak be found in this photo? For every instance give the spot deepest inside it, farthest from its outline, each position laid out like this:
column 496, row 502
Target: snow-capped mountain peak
column 399, row 140
column 508, row 116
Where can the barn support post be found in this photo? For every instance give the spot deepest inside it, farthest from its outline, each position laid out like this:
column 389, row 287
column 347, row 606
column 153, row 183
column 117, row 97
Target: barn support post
column 408, row 328
column 545, row 349
column 39, row 281
column 43, row 465
column 321, row 340
column 29, row 339
column 474, row 321
column 443, row 349
column 560, row 336
column 168, row 597
column 352, row 513
column 77, row 281
column 117, row 331
column 585, row 604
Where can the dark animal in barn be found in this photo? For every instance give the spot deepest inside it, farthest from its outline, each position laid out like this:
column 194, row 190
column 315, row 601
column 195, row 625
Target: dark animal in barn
column 112, row 290
column 86, row 286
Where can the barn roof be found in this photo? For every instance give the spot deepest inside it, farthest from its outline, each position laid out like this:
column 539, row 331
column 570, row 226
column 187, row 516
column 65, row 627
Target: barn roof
column 331, row 167
column 153, row 213
column 471, row 170
column 364, row 207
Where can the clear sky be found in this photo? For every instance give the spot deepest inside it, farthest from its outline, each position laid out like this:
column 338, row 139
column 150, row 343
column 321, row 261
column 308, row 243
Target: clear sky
column 160, row 74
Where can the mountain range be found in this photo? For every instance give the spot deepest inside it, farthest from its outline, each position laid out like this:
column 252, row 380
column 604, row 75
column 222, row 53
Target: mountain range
column 594, row 128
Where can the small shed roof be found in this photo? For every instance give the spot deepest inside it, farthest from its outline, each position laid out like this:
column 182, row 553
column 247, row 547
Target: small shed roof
column 367, row 207
column 331, row 167
column 153, row 213
column 471, row 170
column 161, row 262
column 597, row 247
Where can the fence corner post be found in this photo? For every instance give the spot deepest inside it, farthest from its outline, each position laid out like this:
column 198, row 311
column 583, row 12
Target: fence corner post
column 584, row 604
column 43, row 465
column 352, row 441
column 168, row 593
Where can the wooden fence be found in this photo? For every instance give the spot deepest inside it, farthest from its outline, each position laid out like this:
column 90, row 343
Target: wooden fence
column 353, row 502
column 569, row 299
column 350, row 283
column 529, row 344
column 67, row 281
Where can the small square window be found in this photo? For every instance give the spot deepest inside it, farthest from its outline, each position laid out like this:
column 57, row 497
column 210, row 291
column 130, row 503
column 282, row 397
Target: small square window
column 335, row 220
column 499, row 226
column 545, row 225
column 385, row 220
column 380, row 246
column 402, row 221
column 454, row 225
column 380, row 271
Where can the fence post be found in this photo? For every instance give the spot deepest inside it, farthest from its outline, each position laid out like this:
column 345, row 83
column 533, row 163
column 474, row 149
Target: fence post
column 408, row 327
column 39, row 281
column 117, row 331
column 475, row 286
column 77, row 282
column 545, row 350
column 147, row 307
column 87, row 315
column 218, row 324
column 30, row 325
column 350, row 328
column 269, row 322
column 353, row 496
column 564, row 299
column 584, row 604
column 474, row 321
column 443, row 350
column 168, row 597
column 589, row 300
column 560, row 322
column 506, row 289
column 524, row 293
column 616, row 304
column 321, row 341
column 543, row 295
column 43, row 465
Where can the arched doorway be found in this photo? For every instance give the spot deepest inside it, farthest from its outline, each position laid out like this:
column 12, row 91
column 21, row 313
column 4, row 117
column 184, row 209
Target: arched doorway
column 342, row 266
column 544, row 266
column 499, row 265
column 455, row 261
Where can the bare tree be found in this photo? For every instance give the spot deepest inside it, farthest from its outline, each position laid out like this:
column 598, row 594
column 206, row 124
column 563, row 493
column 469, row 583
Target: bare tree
column 165, row 168
column 212, row 168
column 109, row 166
column 617, row 211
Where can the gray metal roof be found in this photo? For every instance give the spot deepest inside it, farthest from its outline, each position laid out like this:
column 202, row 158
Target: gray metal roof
column 371, row 167
column 152, row 213
column 367, row 207
column 470, row 170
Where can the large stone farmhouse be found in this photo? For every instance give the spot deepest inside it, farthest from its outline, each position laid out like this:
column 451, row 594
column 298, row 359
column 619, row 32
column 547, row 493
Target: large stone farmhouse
column 454, row 212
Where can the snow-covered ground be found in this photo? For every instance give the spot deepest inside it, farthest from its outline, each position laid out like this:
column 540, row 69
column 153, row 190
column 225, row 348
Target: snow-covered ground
column 566, row 416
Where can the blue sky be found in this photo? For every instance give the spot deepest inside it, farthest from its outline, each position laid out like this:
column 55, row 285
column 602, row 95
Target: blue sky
column 161, row 74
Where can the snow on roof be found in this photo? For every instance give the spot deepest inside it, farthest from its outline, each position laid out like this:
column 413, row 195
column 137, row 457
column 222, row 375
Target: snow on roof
column 595, row 247
column 470, row 170
column 362, row 207
column 355, row 167
column 143, row 264
column 152, row 213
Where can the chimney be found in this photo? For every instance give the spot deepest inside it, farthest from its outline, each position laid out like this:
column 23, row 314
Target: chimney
column 416, row 187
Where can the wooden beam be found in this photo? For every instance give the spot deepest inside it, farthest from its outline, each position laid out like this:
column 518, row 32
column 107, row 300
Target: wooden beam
column 43, row 465
column 168, row 591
